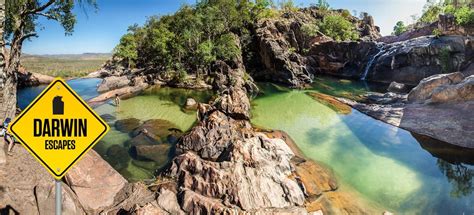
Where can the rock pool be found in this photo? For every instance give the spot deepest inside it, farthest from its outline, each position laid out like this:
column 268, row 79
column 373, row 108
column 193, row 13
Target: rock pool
column 390, row 167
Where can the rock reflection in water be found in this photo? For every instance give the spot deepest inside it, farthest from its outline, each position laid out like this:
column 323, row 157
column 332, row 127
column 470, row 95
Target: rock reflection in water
column 455, row 162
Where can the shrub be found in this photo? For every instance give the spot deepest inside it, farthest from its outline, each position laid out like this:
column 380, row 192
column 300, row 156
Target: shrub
column 323, row 5
column 310, row 29
column 346, row 14
column 399, row 28
column 436, row 32
column 445, row 60
column 288, row 5
column 464, row 16
column 338, row 28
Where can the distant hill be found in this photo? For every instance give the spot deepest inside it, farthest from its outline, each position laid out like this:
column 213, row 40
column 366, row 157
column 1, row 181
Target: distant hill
column 64, row 65
column 69, row 56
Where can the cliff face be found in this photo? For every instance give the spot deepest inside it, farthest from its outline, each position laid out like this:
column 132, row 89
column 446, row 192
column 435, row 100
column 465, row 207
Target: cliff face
column 293, row 58
column 283, row 44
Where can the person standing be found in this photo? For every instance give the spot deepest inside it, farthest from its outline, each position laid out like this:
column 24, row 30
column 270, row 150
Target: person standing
column 7, row 137
column 117, row 100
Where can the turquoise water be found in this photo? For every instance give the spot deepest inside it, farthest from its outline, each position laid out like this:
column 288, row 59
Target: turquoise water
column 155, row 103
column 383, row 163
column 390, row 167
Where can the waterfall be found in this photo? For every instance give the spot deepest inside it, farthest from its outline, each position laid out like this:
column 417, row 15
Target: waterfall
column 371, row 61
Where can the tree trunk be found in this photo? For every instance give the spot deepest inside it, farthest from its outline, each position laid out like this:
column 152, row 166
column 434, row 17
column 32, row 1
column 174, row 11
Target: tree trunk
column 7, row 79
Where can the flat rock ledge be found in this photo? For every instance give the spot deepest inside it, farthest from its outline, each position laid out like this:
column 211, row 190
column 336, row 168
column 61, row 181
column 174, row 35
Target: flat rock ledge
column 439, row 107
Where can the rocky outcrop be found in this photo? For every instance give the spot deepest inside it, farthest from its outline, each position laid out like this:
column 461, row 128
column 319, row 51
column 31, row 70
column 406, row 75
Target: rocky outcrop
column 342, row 59
column 448, row 122
column 283, row 45
column 124, row 92
column 223, row 165
column 386, row 107
column 112, row 83
column 410, row 61
column 410, row 34
column 404, row 62
column 28, row 79
column 447, row 25
column 90, row 187
column 439, row 107
column 427, row 86
column 95, row 183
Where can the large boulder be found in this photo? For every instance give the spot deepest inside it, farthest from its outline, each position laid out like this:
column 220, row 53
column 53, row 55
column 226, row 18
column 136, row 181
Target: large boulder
column 395, row 87
column 159, row 153
column 95, row 182
column 464, row 91
column 28, row 79
column 425, row 89
column 112, row 83
column 127, row 125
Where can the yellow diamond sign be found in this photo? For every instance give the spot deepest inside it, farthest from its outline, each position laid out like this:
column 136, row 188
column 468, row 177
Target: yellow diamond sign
column 58, row 128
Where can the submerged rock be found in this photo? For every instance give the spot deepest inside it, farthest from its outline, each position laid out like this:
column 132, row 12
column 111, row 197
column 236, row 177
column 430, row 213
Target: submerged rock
column 143, row 139
column 159, row 153
column 155, row 128
column 108, row 117
column 127, row 125
column 331, row 102
column 117, row 156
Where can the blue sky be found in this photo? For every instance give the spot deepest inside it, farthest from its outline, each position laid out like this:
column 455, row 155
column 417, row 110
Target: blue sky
column 100, row 31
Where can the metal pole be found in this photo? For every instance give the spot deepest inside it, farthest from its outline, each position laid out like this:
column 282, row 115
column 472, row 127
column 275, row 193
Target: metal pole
column 58, row 197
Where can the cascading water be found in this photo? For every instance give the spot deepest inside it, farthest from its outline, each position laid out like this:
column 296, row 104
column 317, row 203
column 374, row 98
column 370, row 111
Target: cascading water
column 381, row 50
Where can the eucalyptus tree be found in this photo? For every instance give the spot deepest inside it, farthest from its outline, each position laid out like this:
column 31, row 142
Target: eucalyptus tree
column 20, row 24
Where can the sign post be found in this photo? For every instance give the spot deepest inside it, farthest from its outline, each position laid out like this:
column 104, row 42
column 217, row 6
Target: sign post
column 58, row 197
column 58, row 128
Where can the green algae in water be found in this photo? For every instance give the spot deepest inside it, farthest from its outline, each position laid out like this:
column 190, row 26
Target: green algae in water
column 156, row 103
column 384, row 164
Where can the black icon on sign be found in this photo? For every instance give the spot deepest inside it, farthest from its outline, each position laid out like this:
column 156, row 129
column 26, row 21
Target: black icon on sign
column 58, row 106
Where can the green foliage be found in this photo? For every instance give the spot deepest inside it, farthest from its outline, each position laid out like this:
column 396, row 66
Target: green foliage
column 195, row 36
column 445, row 60
column 436, row 32
column 431, row 11
column 323, row 5
column 21, row 21
column 226, row 47
column 338, row 28
column 288, row 5
column 399, row 28
column 205, row 53
column 346, row 14
column 460, row 9
column 449, row 9
column 310, row 29
column 127, row 49
column 464, row 16
column 64, row 65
